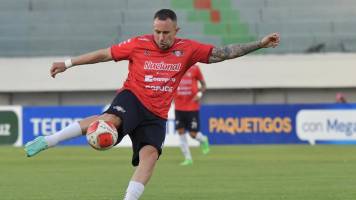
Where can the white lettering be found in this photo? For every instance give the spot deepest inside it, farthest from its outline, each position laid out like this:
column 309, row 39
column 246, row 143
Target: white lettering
column 5, row 129
column 48, row 126
column 150, row 79
column 186, row 81
column 161, row 66
column 36, row 125
column 159, row 88
column 184, row 93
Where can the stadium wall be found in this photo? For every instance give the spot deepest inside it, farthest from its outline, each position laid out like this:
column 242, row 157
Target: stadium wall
column 252, row 79
column 265, row 71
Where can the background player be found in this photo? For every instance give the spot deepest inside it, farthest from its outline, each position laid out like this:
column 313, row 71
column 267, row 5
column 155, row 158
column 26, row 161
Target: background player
column 187, row 105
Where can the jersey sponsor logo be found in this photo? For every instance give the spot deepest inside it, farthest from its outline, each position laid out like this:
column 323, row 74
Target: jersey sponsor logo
column 178, row 53
column 151, row 78
column 162, row 66
column 186, row 82
column 184, row 93
column 162, row 88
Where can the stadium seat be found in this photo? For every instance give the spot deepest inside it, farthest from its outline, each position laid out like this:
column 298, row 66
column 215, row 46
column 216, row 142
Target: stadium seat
column 224, row 21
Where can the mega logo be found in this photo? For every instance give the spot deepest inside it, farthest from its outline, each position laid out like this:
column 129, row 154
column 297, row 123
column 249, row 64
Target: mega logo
column 9, row 127
column 326, row 125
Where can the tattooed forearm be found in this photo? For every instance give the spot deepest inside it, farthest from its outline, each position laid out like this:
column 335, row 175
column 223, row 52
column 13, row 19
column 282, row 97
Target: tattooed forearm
column 231, row 51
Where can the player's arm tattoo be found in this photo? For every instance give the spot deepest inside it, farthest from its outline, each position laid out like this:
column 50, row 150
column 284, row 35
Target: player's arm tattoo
column 231, row 51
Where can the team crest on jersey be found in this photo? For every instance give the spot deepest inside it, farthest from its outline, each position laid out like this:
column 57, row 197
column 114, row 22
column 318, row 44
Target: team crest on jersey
column 146, row 52
column 178, row 53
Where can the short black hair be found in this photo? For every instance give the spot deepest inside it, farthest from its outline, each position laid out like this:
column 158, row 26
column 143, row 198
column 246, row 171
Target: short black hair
column 164, row 14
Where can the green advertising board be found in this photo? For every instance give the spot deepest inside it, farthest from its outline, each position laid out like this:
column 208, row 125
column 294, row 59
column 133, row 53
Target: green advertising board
column 9, row 127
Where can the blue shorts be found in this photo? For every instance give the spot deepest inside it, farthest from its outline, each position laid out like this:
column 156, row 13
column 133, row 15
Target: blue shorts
column 143, row 127
column 189, row 120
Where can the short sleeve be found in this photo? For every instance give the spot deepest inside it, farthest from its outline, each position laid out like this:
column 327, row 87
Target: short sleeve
column 201, row 52
column 123, row 50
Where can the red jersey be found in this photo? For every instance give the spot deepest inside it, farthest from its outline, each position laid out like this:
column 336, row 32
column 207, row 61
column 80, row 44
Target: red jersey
column 154, row 74
column 188, row 89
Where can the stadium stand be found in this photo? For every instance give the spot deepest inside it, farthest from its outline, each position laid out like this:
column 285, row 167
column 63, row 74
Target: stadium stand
column 66, row 27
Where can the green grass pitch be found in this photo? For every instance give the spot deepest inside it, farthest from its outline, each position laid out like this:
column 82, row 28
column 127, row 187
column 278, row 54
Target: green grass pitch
column 246, row 172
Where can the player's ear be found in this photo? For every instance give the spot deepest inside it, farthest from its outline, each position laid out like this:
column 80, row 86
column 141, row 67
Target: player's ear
column 177, row 29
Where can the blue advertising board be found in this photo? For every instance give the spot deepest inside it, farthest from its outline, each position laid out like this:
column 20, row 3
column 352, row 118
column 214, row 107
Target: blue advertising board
column 46, row 120
column 225, row 124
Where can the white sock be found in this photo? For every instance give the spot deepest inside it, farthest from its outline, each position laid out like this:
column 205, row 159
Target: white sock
column 200, row 137
column 71, row 131
column 184, row 146
column 134, row 190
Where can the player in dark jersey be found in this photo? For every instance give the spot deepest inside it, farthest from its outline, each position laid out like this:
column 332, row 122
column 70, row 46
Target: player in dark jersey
column 187, row 106
column 157, row 62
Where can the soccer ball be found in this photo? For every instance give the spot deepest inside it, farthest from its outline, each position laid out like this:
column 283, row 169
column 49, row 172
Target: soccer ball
column 101, row 135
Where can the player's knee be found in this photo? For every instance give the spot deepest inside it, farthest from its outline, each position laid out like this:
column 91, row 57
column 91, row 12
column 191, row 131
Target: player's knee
column 111, row 118
column 84, row 123
column 149, row 152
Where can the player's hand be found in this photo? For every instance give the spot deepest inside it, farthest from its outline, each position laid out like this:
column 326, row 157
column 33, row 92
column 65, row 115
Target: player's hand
column 271, row 40
column 57, row 67
column 198, row 97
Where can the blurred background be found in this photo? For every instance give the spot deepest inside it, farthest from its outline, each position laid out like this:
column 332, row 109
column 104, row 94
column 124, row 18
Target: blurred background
column 314, row 63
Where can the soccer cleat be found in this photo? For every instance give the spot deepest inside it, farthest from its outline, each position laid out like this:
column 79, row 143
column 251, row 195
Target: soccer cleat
column 186, row 162
column 205, row 147
column 35, row 146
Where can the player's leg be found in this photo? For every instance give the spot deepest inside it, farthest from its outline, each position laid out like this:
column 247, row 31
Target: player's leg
column 114, row 114
column 202, row 139
column 196, row 134
column 148, row 158
column 79, row 128
column 147, row 141
column 183, row 142
column 184, row 146
column 75, row 129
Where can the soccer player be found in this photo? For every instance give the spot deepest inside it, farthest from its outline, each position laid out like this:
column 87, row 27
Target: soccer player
column 157, row 62
column 186, row 101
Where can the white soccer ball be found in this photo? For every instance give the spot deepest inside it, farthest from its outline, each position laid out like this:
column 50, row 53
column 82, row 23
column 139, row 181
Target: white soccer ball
column 101, row 135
